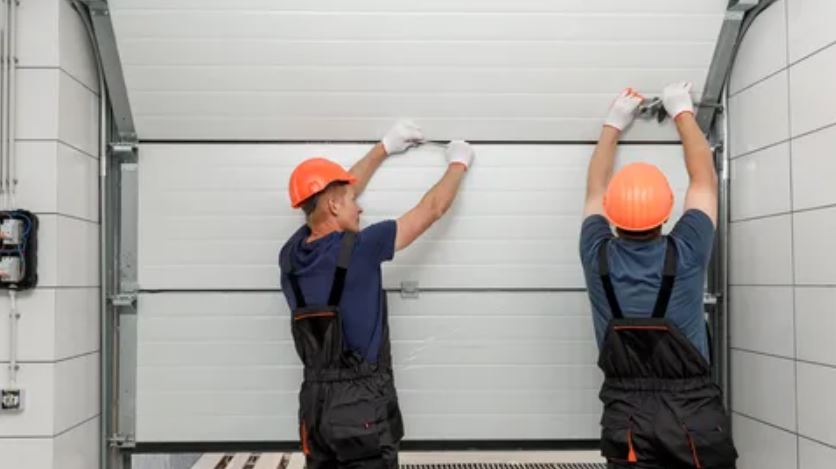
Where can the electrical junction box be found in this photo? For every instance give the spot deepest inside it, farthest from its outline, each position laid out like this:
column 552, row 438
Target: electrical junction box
column 10, row 267
column 18, row 250
column 10, row 231
column 11, row 400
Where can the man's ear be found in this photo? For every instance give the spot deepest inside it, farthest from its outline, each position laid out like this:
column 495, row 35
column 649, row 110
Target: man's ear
column 333, row 199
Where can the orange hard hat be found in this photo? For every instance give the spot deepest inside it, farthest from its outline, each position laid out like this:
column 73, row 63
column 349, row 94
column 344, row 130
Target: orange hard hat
column 312, row 176
column 638, row 198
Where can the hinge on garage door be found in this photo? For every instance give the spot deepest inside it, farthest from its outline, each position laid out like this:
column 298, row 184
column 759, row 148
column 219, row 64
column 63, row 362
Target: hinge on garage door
column 118, row 440
column 123, row 299
column 409, row 289
column 123, row 151
column 711, row 299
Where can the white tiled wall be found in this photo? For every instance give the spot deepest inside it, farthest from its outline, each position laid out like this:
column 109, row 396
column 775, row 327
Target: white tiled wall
column 56, row 324
column 761, row 445
column 784, row 213
column 810, row 26
column 813, row 95
column 765, row 314
column 759, row 115
column 68, row 252
column 813, row 167
column 815, row 256
column 764, row 52
column 815, row 318
column 57, row 147
column 816, row 409
column 760, row 182
column 762, row 385
column 79, row 448
column 814, row 455
column 750, row 240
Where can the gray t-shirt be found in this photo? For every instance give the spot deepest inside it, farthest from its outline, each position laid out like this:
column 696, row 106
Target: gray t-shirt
column 636, row 273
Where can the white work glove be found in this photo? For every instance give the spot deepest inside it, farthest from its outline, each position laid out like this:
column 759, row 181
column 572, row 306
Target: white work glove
column 460, row 152
column 623, row 109
column 677, row 99
column 401, row 136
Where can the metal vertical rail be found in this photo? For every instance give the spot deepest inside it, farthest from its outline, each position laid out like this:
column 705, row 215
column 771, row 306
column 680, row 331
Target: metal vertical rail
column 11, row 156
column 724, row 221
column 4, row 99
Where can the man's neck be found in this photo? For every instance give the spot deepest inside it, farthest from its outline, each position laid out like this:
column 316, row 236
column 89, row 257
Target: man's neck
column 322, row 229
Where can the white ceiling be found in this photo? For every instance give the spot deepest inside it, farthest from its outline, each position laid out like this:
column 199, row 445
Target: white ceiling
column 510, row 70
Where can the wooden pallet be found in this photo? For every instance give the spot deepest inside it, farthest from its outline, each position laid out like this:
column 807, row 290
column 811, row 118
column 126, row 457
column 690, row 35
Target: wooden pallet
column 241, row 461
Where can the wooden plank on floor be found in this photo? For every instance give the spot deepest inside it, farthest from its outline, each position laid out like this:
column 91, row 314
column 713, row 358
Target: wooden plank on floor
column 269, row 461
column 208, row 461
column 238, row 461
column 297, row 461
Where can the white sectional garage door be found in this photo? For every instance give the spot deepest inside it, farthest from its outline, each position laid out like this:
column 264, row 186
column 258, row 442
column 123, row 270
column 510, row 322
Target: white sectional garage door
column 509, row 70
column 497, row 345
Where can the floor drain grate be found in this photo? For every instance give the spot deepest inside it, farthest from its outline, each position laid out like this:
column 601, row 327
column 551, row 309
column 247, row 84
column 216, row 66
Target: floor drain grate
column 506, row 466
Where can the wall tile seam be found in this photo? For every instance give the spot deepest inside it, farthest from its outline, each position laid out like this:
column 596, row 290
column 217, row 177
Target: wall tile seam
column 58, row 141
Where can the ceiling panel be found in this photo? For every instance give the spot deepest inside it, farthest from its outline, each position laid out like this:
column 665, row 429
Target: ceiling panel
column 507, row 70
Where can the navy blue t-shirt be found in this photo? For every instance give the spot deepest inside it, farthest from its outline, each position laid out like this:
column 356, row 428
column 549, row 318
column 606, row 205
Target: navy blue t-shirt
column 636, row 272
column 361, row 306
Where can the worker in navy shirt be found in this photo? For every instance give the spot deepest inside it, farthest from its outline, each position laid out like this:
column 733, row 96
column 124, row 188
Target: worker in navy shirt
column 661, row 408
column 331, row 278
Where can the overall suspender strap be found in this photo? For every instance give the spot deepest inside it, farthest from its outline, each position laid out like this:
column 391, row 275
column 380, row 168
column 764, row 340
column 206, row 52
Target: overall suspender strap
column 604, row 272
column 668, row 280
column 344, row 258
column 288, row 265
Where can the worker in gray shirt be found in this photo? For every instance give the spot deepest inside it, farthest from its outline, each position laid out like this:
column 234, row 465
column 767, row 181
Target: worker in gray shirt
column 661, row 408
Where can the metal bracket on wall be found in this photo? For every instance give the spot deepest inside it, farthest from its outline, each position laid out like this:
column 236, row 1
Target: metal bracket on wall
column 125, row 152
column 123, row 300
column 710, row 299
column 111, row 66
column 121, row 441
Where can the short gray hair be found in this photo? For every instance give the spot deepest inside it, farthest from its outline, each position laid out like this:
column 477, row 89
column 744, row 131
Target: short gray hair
column 309, row 205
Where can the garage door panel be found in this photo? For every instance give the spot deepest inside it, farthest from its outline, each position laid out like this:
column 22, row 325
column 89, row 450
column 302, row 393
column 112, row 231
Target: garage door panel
column 217, row 428
column 224, row 404
column 429, row 352
column 504, row 427
column 148, row 80
column 493, row 402
column 465, row 227
column 499, row 377
column 212, row 377
column 519, row 325
column 434, row 26
column 623, row 6
column 284, row 70
column 203, row 52
column 321, row 105
column 492, row 352
column 508, row 304
column 225, row 360
column 432, row 427
column 514, row 225
column 234, row 329
column 219, row 352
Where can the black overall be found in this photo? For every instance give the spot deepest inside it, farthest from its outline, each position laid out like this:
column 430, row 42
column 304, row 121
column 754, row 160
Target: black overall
column 348, row 409
column 661, row 408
